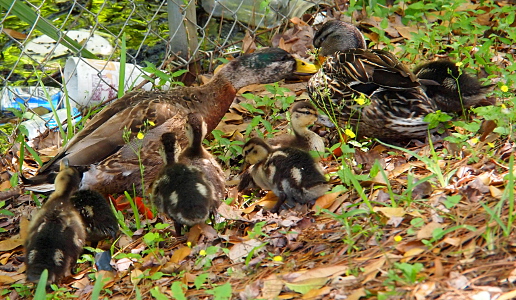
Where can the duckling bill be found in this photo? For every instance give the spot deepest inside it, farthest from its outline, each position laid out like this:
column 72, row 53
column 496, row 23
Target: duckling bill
column 57, row 232
column 291, row 173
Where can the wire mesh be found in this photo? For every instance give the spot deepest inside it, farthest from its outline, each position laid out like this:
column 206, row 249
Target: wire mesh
column 173, row 32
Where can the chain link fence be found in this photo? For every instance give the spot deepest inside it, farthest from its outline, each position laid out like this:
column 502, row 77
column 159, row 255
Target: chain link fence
column 51, row 43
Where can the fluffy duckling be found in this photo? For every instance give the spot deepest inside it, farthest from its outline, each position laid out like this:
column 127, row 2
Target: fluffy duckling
column 57, row 233
column 195, row 155
column 190, row 187
column 291, row 173
column 450, row 81
column 302, row 115
column 97, row 215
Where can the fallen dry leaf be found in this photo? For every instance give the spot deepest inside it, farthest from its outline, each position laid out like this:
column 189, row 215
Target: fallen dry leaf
column 427, row 230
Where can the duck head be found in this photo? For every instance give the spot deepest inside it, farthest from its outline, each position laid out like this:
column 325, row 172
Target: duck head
column 304, row 114
column 263, row 66
column 255, row 151
column 67, row 180
column 196, row 129
column 169, row 150
column 336, row 36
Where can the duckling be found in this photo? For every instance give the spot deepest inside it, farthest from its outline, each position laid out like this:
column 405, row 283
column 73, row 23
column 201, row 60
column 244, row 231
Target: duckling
column 57, row 233
column 450, row 81
column 302, row 115
column 182, row 191
column 291, row 173
column 195, row 155
column 96, row 214
column 113, row 164
column 198, row 180
column 398, row 103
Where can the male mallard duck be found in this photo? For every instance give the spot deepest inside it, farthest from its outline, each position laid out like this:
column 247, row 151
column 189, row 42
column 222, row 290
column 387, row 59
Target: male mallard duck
column 454, row 90
column 190, row 187
column 291, row 173
column 115, row 165
column 57, row 233
column 96, row 213
column 302, row 115
column 352, row 73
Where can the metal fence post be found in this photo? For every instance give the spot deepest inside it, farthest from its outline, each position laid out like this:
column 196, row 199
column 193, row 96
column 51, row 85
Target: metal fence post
column 183, row 40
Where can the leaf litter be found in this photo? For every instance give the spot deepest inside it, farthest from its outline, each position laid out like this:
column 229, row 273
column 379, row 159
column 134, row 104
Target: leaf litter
column 339, row 248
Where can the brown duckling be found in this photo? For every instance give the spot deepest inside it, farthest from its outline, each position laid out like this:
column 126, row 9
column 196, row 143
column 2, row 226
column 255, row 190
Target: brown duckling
column 96, row 214
column 450, row 81
column 291, row 173
column 114, row 165
column 190, row 187
column 195, row 155
column 57, row 233
column 302, row 115
column 398, row 103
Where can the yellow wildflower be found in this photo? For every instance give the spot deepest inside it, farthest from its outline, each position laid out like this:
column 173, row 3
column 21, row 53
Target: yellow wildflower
column 398, row 238
column 350, row 133
column 189, row 244
column 140, row 135
column 491, row 144
column 504, row 88
column 459, row 64
column 202, row 252
column 474, row 140
column 503, row 106
column 277, row 258
column 361, row 100
column 151, row 123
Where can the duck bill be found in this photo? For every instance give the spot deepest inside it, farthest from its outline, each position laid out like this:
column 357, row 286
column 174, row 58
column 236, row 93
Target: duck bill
column 304, row 67
column 324, row 120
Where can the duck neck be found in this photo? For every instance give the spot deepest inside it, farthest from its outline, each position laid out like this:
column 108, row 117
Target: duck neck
column 220, row 93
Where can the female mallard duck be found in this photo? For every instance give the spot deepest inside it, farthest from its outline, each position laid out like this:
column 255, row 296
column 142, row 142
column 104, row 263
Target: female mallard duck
column 57, row 233
column 291, row 173
column 115, row 165
column 302, row 115
column 96, row 213
column 352, row 73
column 455, row 90
column 190, row 187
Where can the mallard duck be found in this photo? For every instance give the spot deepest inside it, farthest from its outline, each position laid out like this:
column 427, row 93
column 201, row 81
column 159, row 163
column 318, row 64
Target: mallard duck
column 57, row 233
column 454, row 90
column 98, row 217
column 182, row 191
column 115, row 165
column 351, row 75
column 302, row 115
column 291, row 173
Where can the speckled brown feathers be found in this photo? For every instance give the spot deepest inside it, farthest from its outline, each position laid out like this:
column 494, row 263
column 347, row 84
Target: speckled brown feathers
column 397, row 103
